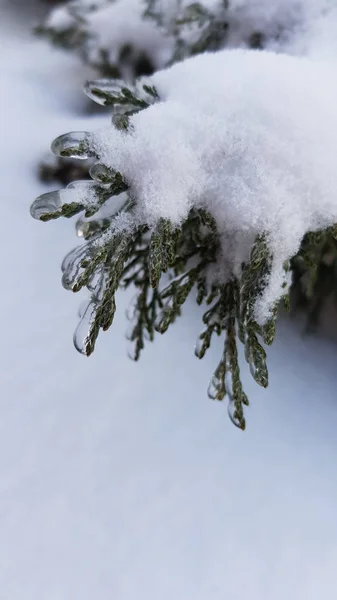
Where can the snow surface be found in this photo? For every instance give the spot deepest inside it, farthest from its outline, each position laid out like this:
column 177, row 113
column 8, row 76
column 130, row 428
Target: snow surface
column 121, row 480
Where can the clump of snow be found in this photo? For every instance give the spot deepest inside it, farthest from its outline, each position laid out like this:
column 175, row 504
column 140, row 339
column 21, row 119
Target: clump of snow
column 275, row 20
column 250, row 136
column 301, row 27
column 60, row 19
column 316, row 36
column 121, row 24
column 114, row 25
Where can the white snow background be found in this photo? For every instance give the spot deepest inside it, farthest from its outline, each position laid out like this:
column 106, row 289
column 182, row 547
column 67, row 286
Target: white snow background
column 122, row 481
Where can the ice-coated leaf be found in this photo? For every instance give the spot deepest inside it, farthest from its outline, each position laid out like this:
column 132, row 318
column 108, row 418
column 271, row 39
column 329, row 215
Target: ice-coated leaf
column 51, row 206
column 86, row 331
column 234, row 416
column 103, row 90
column 72, row 266
column 76, row 144
column 102, row 174
column 88, row 229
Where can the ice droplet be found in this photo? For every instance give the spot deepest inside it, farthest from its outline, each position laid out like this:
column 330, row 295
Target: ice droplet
column 81, row 338
column 260, row 375
column 78, row 251
column 84, row 186
column 71, row 266
column 75, row 144
column 46, row 206
column 99, row 90
column 216, row 390
column 123, row 109
column 88, row 229
column 198, row 348
column 162, row 321
column 101, row 173
column 233, row 416
column 95, row 282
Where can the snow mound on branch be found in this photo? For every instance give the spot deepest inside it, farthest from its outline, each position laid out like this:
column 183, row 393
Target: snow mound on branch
column 60, row 19
column 250, row 136
column 114, row 25
column 122, row 23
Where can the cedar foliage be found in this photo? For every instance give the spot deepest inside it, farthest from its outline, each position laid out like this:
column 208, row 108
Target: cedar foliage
column 113, row 257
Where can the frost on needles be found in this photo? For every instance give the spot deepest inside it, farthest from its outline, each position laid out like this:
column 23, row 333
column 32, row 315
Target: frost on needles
column 213, row 171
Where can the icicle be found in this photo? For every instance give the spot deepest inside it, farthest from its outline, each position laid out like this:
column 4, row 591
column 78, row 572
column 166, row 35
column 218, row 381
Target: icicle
column 259, row 374
column 162, row 321
column 199, row 347
column 95, row 282
column 77, row 252
column 81, row 338
column 232, row 413
column 216, row 389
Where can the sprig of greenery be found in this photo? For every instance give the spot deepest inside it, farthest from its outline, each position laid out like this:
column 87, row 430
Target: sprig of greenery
column 166, row 264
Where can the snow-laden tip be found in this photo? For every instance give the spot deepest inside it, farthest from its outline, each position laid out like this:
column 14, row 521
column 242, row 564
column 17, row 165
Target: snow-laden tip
column 252, row 137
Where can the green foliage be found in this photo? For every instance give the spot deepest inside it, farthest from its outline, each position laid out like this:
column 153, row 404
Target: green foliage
column 315, row 274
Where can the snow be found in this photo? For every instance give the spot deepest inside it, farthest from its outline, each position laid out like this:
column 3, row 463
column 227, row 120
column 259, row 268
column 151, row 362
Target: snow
column 121, row 480
column 112, row 26
column 61, row 19
column 264, row 166
column 300, row 27
column 317, row 36
column 121, row 23
column 284, row 24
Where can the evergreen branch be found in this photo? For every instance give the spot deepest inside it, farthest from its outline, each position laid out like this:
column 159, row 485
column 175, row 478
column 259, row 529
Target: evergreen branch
column 115, row 256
